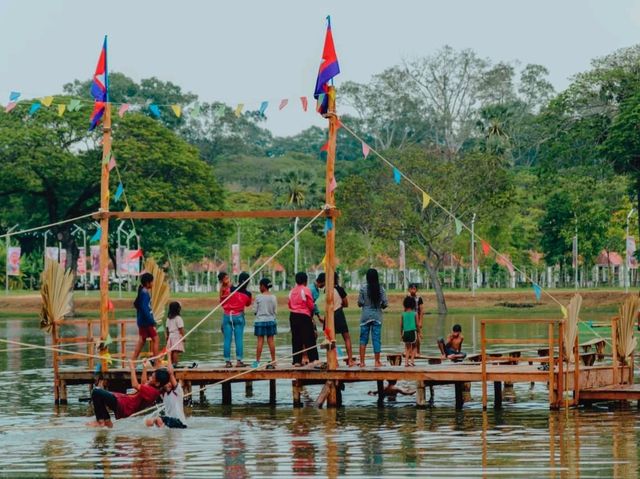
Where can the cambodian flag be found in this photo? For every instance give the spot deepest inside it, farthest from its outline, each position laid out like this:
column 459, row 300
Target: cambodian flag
column 328, row 69
column 100, row 87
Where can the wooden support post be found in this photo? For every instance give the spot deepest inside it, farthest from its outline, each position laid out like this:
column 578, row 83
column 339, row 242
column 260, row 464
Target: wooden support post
column 483, row 346
column 339, row 387
column 459, row 396
column 552, row 367
column 420, row 395
column 54, row 355
column 226, row 393
column 123, row 339
column 104, row 226
column 576, row 372
column 324, row 393
column 497, row 395
column 380, row 385
column 330, row 239
column 272, row 391
column 560, row 395
column 202, row 394
column 248, row 389
column 296, row 390
column 90, row 344
column 614, row 349
column 62, row 386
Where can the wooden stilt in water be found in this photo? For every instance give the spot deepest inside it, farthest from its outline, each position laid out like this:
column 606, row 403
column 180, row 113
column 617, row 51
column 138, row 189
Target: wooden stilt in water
column 459, row 396
column 226, row 394
column 380, row 393
column 272, row 391
column 324, row 393
column 497, row 395
column 248, row 389
column 202, row 394
column 296, row 392
column 420, row 395
column 432, row 397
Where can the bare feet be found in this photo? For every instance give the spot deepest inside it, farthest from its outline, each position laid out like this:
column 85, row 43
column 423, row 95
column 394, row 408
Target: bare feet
column 378, row 364
column 100, row 423
column 362, row 364
column 351, row 363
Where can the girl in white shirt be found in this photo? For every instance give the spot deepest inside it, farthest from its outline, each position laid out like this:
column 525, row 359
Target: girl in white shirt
column 175, row 332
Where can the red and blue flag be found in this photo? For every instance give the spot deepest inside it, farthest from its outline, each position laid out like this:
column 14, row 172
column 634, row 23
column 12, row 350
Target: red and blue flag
column 100, row 87
column 328, row 69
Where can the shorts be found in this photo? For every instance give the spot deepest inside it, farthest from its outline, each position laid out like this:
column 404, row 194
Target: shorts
column 375, row 329
column 340, row 322
column 172, row 422
column 409, row 337
column 147, row 332
column 265, row 328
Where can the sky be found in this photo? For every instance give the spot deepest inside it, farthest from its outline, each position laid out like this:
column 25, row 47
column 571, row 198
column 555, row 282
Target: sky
column 247, row 51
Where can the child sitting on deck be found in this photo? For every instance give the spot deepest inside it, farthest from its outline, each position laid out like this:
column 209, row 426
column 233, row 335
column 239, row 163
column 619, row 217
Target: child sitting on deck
column 144, row 317
column 408, row 331
column 452, row 348
column 265, row 324
column 175, row 332
column 124, row 405
column 173, row 404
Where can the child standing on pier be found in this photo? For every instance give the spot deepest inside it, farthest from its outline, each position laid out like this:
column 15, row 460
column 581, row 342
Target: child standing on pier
column 372, row 299
column 301, row 306
column 340, row 301
column 175, row 332
column 233, row 320
column 408, row 331
column 265, row 326
column 144, row 317
column 417, row 305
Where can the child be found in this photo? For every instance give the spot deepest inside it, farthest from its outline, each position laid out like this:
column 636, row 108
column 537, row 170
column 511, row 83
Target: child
column 408, row 330
column 225, row 285
column 265, row 325
column 124, row 405
column 233, row 320
column 391, row 391
column 452, row 348
column 175, row 332
column 173, row 402
column 372, row 299
column 301, row 321
column 417, row 305
column 340, row 301
column 144, row 317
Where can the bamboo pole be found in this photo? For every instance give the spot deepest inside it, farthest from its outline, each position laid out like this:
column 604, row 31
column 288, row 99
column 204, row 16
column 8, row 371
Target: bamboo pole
column 576, row 372
column 329, row 267
column 560, row 394
column 104, row 226
column 614, row 349
column 552, row 367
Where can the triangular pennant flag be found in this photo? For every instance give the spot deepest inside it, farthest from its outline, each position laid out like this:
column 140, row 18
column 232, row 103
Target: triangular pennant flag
column 458, row 226
column 127, row 209
column 14, row 95
column 108, row 340
column 119, row 192
column 112, row 163
column 96, row 235
column 305, row 103
column 263, row 107
column 324, row 260
column 10, row 107
column 160, row 329
column 325, row 147
column 328, row 225
column 283, row 103
column 106, row 158
column 537, row 290
column 123, row 109
column 396, row 175
column 426, row 199
column 195, row 111
column 177, row 110
column 47, row 101
column 35, row 106
column 333, row 184
column 106, row 356
column 238, row 110
column 486, row 249
column 365, row 150
column 320, row 100
column 74, row 105
column 61, row 109
column 220, row 111
column 565, row 315
column 136, row 254
column 155, row 111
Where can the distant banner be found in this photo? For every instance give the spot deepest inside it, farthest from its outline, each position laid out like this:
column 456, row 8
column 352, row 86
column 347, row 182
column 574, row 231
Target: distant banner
column 13, row 261
column 235, row 258
column 52, row 253
column 402, row 261
column 95, row 259
column 133, row 265
column 631, row 248
column 81, row 265
column 122, row 257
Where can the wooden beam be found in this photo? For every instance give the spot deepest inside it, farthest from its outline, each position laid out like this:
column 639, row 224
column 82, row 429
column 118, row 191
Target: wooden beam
column 208, row 215
column 104, row 227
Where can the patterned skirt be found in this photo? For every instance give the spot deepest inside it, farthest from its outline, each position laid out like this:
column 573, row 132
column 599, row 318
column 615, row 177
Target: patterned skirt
column 265, row 328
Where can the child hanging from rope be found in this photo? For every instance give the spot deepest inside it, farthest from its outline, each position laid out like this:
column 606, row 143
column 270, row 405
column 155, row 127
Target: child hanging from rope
column 175, row 332
column 124, row 405
column 144, row 317
column 173, row 405
column 265, row 325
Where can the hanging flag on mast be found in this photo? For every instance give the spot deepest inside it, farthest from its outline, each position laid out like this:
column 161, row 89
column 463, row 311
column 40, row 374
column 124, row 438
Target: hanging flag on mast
column 100, row 87
column 328, row 69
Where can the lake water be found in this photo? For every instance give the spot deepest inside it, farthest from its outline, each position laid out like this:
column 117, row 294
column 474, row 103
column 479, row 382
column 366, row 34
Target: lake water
column 252, row 439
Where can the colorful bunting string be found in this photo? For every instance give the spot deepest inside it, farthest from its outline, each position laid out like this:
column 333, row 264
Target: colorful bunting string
column 119, row 192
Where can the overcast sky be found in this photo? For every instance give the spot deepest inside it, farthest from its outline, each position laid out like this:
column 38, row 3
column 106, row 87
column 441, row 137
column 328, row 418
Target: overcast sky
column 241, row 51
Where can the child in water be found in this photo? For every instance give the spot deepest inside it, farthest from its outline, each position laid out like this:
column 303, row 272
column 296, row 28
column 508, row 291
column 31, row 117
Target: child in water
column 173, row 405
column 175, row 332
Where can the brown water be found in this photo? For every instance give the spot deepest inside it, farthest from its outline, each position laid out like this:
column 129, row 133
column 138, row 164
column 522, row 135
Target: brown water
column 252, row 439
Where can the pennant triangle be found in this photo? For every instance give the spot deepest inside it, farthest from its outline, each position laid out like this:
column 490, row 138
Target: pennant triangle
column 486, row 249
column 325, row 147
column 10, row 107
column 35, row 106
column 320, row 100
column 177, row 110
column 458, row 226
column 74, row 105
column 127, row 209
column 565, row 314
column 14, row 95
column 365, row 150
column 47, row 101
column 108, row 340
column 195, row 111
column 238, row 110
column 155, row 110
column 333, row 184
column 220, row 111
column 119, row 192
column 123, row 109
column 537, row 290
column 426, row 199
column 328, row 225
column 112, row 163
column 61, row 109
column 263, row 107
column 305, row 103
column 397, row 176
column 283, row 103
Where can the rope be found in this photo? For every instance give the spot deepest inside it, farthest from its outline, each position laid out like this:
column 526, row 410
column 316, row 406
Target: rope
column 50, row 225
column 453, row 216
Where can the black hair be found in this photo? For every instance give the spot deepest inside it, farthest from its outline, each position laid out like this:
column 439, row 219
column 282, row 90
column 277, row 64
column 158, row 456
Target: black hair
column 413, row 285
column 336, row 278
column 322, row 278
column 242, row 282
column 266, row 282
column 301, row 278
column 162, row 376
column 145, row 279
column 174, row 309
column 222, row 275
column 457, row 328
column 408, row 302
column 373, row 287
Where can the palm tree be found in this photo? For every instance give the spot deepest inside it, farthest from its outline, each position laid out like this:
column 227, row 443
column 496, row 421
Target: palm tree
column 296, row 189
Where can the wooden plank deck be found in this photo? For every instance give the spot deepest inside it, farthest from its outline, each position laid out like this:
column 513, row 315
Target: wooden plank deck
column 614, row 392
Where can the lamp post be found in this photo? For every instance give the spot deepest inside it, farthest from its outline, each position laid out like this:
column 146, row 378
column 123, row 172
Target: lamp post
column 627, row 280
column 77, row 229
column 118, row 231
column 473, row 255
column 8, row 245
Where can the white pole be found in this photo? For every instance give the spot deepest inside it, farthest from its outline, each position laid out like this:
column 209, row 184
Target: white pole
column 8, row 245
column 296, row 245
column 473, row 255
column 626, row 254
column 84, row 246
column 117, row 271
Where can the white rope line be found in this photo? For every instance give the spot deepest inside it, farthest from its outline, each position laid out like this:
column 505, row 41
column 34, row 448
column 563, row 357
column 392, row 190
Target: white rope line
column 50, row 225
column 455, row 218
